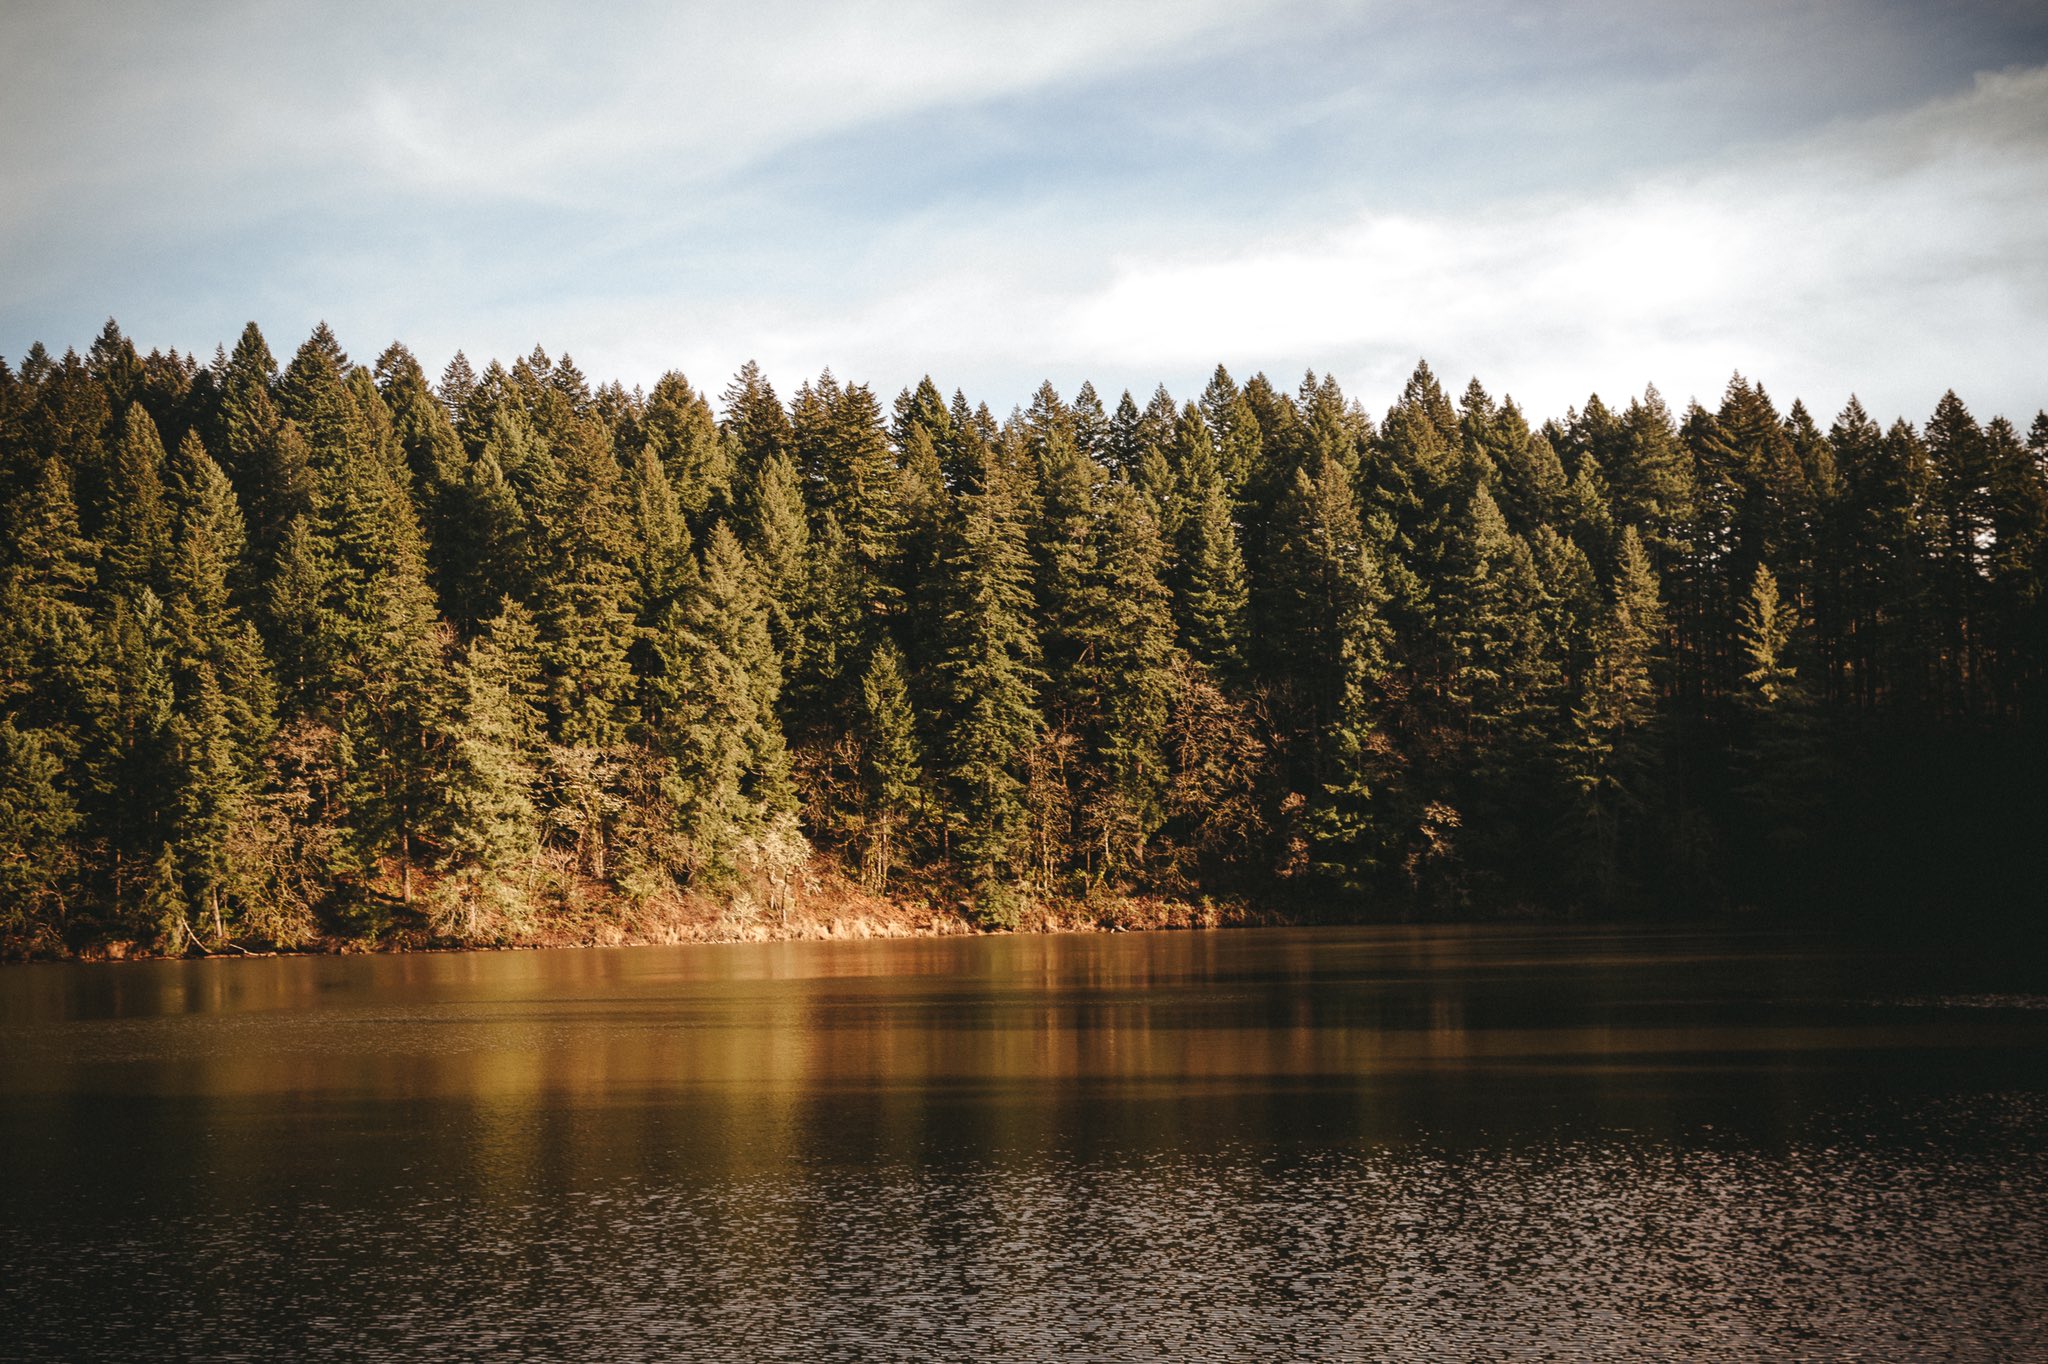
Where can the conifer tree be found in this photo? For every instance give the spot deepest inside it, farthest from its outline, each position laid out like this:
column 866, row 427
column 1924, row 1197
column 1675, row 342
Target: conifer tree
column 660, row 542
column 713, row 683
column 37, row 819
column 586, row 605
column 128, row 758
column 1778, row 761
column 1063, row 544
column 892, row 762
column 207, row 626
column 499, row 747
column 137, row 521
column 1330, row 620
column 1234, row 429
column 990, row 676
column 1090, row 424
column 1611, row 752
column 1528, row 479
column 1126, row 669
column 210, row 772
column 1498, row 675
column 756, row 426
column 487, row 550
column 1209, row 575
column 1650, row 478
column 1959, row 515
column 46, row 624
column 266, row 458
column 678, row 429
column 776, row 533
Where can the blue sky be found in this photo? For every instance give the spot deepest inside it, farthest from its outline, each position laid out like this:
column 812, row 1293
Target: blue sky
column 1830, row 196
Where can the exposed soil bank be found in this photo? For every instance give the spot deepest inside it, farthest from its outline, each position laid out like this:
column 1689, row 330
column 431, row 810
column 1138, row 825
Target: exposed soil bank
column 830, row 909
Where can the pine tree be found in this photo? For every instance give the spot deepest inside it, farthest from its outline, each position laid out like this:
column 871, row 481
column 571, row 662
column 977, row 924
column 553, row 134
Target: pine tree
column 164, row 911
column 499, row 747
column 207, row 626
column 660, row 535
column 1209, row 575
column 37, row 854
column 1528, row 478
column 775, row 529
column 487, row 551
column 128, row 773
column 266, row 459
column 210, row 772
column 892, row 762
column 46, row 622
column 712, row 691
column 586, row 606
column 1959, row 508
column 1651, row 479
column 1779, row 763
column 1329, row 618
column 137, row 532
column 1063, row 545
column 680, row 432
column 1126, row 669
column 2018, row 566
column 1489, row 608
column 988, row 666
column 756, row 426
column 1611, row 753
column 1234, row 429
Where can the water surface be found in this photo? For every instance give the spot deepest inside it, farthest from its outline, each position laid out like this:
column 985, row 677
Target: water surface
column 1288, row 1144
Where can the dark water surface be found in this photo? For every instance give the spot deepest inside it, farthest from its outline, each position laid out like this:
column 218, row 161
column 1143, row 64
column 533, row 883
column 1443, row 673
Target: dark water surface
column 1265, row 1144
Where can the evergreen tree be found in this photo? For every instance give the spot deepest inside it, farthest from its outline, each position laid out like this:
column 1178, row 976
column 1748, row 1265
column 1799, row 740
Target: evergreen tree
column 682, row 435
column 1210, row 585
column 1779, row 763
column 46, row 622
column 1126, row 669
column 755, row 424
column 989, row 666
column 499, row 747
column 1063, row 544
column 137, row 521
column 586, row 605
column 890, row 756
column 1330, row 620
column 1959, row 515
column 37, row 819
column 775, row 530
column 1611, row 753
column 713, row 688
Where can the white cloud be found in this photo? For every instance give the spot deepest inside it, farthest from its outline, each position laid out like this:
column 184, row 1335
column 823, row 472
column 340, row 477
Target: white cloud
column 524, row 100
column 1898, row 256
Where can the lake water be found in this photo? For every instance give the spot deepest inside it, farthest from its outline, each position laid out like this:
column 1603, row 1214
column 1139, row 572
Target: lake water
column 1270, row 1144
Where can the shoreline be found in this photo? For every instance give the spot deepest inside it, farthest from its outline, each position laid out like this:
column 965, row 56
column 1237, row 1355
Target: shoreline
column 844, row 917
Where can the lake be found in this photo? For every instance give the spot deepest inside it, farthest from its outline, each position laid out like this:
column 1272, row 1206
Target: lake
column 1273, row 1144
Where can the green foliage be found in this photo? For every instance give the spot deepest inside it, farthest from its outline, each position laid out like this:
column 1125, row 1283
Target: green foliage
column 492, row 823
column 892, row 762
column 989, row 673
column 334, row 650
column 712, row 690
column 37, row 819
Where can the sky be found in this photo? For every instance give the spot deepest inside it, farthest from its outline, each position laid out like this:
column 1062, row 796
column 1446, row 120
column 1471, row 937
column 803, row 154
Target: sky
column 1829, row 196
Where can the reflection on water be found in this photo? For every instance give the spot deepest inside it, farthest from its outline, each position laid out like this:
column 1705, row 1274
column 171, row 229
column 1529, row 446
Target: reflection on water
column 1274, row 1144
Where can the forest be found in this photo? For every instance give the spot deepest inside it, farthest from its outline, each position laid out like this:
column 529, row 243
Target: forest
column 330, row 652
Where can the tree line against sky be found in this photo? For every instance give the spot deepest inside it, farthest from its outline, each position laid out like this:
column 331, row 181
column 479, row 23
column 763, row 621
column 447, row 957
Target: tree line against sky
column 334, row 649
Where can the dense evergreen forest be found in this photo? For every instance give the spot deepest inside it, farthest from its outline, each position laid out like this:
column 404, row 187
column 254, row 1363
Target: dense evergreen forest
column 337, row 651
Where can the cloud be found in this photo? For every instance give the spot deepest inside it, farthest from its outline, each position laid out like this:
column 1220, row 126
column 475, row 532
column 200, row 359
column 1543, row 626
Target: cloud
column 525, row 101
column 1900, row 254
column 1595, row 196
